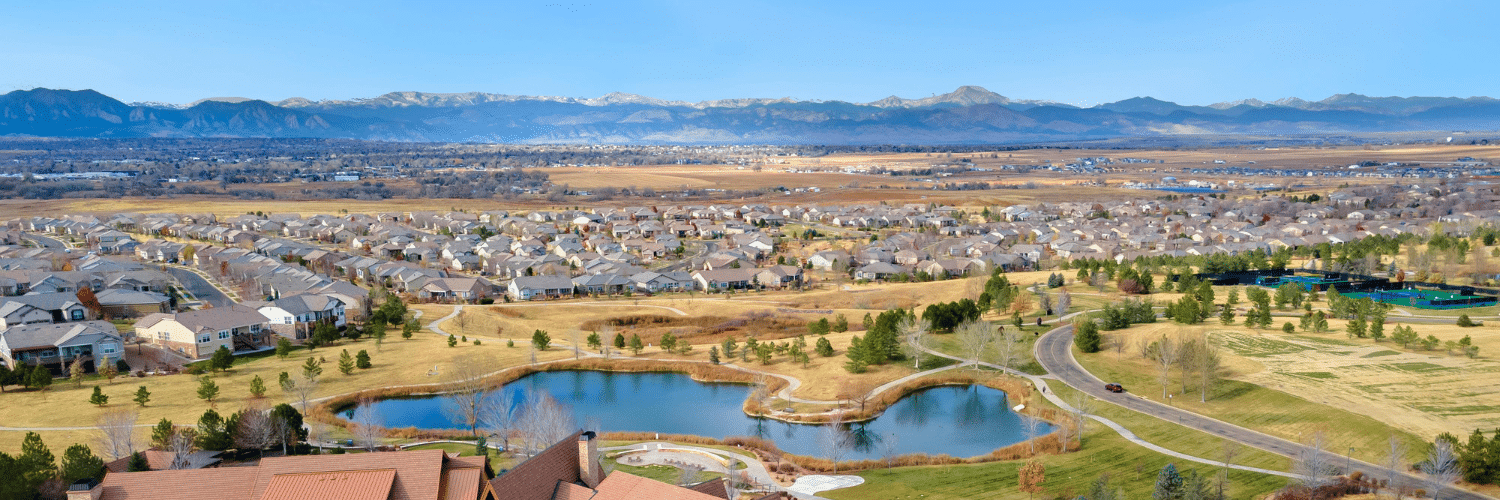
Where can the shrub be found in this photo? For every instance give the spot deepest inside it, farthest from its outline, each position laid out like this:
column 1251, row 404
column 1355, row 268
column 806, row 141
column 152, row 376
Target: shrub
column 1288, row 327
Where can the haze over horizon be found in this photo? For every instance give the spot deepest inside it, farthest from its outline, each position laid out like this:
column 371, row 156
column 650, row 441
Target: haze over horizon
column 1081, row 54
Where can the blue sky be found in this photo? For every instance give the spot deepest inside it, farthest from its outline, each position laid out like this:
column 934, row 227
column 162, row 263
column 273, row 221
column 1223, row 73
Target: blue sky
column 1080, row 52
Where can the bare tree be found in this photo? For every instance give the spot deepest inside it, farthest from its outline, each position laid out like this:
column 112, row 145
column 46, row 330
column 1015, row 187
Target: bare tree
column 1164, row 355
column 1083, row 406
column 914, row 335
column 889, row 446
column 1441, row 469
column 834, row 440
column 255, row 430
column 1313, row 464
column 181, row 447
column 1009, row 347
column 1187, row 361
column 315, row 432
column 1230, row 450
column 606, row 334
column 368, row 426
column 974, row 337
column 117, row 432
column 1064, row 301
column 689, row 475
column 497, row 414
column 1209, row 362
column 544, row 421
column 1043, row 299
column 1033, row 427
column 303, row 389
column 466, row 391
column 1395, row 463
column 575, row 337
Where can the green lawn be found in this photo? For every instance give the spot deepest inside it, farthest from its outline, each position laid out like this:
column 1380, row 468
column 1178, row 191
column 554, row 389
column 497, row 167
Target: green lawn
column 1131, row 468
column 1173, row 436
column 663, row 473
column 1255, row 407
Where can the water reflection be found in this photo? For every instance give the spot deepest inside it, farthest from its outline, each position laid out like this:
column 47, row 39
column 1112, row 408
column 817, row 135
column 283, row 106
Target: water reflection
column 962, row 421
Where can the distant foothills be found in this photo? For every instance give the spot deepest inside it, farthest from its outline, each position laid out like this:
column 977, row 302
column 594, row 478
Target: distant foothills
column 968, row 115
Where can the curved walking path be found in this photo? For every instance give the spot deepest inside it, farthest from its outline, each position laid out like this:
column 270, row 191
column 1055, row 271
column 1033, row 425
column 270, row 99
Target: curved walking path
column 1054, row 352
column 653, row 449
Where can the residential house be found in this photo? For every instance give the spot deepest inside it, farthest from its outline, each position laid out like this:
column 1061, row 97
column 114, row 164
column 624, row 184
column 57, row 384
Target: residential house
column 540, row 287
column 728, row 278
column 455, row 289
column 654, row 282
column 63, row 306
column 126, row 303
column 197, row 334
column 399, row 475
column 878, row 271
column 602, row 284
column 57, row 346
column 295, row 316
column 780, row 277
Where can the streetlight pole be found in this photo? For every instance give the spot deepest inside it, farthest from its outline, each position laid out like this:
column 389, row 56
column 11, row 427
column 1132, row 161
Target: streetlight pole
column 1348, row 461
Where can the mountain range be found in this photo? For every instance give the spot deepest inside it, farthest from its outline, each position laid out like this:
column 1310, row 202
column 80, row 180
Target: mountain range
column 968, row 115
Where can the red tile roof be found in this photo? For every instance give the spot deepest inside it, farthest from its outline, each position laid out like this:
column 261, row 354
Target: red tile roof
column 349, row 485
column 624, row 486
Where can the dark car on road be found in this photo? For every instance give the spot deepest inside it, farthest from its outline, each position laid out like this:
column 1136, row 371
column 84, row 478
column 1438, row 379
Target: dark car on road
column 1112, row 387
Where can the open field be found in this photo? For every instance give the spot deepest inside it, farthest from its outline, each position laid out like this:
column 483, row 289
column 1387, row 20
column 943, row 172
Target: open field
column 1295, row 414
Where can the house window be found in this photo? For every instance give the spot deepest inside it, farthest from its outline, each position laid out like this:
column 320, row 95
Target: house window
column 288, row 320
column 108, row 348
column 203, row 339
column 223, row 334
column 77, row 314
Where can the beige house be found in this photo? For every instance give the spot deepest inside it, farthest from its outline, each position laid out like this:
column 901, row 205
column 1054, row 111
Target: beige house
column 197, row 334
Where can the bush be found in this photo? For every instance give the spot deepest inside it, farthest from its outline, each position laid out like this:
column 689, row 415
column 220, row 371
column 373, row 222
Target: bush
column 1288, row 327
column 193, row 369
column 1464, row 321
column 486, row 301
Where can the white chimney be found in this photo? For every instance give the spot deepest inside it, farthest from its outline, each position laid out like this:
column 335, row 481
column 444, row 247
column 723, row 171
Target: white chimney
column 589, row 469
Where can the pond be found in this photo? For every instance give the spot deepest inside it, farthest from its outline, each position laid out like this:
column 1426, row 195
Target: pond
column 961, row 421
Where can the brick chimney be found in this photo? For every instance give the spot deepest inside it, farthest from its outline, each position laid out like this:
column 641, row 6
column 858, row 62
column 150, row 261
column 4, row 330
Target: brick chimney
column 84, row 489
column 589, row 469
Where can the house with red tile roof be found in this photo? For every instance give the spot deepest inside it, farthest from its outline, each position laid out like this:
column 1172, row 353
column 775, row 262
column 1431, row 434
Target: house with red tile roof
column 401, row 475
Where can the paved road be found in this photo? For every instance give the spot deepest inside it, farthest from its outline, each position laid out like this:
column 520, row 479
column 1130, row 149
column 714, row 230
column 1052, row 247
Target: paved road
column 45, row 241
column 1054, row 352
column 200, row 287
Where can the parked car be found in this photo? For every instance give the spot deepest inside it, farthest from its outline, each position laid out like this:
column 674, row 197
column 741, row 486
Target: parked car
column 1113, row 387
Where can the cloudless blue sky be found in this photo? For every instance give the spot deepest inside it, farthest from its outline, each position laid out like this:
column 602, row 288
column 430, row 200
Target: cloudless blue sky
column 1080, row 52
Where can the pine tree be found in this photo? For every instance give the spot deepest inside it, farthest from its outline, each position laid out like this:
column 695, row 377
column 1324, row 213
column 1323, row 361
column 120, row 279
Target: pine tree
column 1087, row 336
column 137, row 463
column 619, row 341
column 257, row 387
column 824, row 347
column 36, row 463
column 283, row 348
column 98, row 398
column 362, row 359
column 79, row 462
column 713, row 355
column 1168, row 484
column 452, row 341
column 636, row 345
column 540, row 340
column 208, row 390
column 161, row 434
column 858, row 357
column 142, row 396
column 594, row 342
column 40, row 378
column 346, row 363
column 222, row 359
column 1226, row 316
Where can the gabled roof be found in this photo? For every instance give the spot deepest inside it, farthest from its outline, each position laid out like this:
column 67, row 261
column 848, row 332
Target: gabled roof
column 218, row 318
column 56, row 334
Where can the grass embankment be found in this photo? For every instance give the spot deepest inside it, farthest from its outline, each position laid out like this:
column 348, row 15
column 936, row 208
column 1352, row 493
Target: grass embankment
column 1132, row 468
column 1245, row 404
